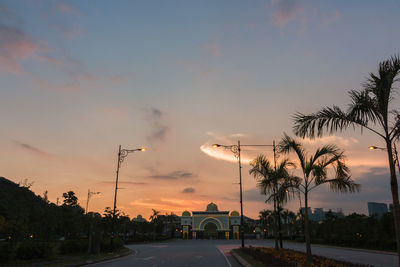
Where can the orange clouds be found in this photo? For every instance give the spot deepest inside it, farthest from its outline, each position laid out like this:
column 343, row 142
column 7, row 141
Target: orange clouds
column 168, row 204
column 358, row 156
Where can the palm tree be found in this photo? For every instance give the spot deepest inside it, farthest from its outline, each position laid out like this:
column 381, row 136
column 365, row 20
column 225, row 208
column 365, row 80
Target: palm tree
column 369, row 109
column 154, row 219
column 264, row 215
column 265, row 219
column 155, row 215
column 276, row 182
column 291, row 221
column 315, row 173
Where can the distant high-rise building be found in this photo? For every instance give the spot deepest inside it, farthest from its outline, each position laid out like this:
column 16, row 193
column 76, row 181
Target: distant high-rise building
column 319, row 215
column 302, row 211
column 377, row 209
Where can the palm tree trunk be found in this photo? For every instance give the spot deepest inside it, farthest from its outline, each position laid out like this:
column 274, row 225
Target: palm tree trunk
column 279, row 226
column 306, row 228
column 395, row 195
column 275, row 224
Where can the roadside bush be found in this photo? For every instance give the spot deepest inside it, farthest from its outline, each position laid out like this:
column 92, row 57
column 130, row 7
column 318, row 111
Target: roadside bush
column 33, row 250
column 291, row 258
column 117, row 244
column 140, row 238
column 72, row 246
column 6, row 251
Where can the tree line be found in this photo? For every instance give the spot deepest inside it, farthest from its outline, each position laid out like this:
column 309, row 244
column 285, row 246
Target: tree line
column 33, row 227
column 354, row 230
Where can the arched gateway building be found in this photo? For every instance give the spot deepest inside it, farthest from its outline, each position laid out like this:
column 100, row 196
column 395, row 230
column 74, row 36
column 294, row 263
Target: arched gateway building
column 210, row 223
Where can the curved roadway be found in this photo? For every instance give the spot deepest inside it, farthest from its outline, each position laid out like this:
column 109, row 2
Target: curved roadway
column 210, row 253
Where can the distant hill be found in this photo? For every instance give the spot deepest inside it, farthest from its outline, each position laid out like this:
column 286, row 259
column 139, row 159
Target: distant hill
column 26, row 215
column 18, row 202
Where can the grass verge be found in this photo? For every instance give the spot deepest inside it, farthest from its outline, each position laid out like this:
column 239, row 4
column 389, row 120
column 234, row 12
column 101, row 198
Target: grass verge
column 288, row 258
column 252, row 261
column 71, row 260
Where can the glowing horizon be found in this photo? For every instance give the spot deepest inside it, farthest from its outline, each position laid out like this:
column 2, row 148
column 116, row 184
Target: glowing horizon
column 78, row 81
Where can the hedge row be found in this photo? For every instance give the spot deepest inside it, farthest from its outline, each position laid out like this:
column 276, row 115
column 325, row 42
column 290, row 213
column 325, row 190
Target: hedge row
column 28, row 250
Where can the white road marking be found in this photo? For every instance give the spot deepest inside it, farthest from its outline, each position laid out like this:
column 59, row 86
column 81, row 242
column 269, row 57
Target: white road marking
column 227, row 261
column 111, row 260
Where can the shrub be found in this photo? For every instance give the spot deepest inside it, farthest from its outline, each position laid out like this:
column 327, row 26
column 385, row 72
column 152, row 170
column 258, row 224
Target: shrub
column 72, row 246
column 33, row 250
column 6, row 251
column 291, row 258
column 117, row 244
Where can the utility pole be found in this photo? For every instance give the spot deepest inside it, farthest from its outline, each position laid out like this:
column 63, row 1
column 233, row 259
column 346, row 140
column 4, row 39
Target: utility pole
column 122, row 153
column 235, row 149
column 89, row 195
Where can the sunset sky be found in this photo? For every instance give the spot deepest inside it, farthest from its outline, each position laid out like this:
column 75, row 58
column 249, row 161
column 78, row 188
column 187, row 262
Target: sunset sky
column 79, row 78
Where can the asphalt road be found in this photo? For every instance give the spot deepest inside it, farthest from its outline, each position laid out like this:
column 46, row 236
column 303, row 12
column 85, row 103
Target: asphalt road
column 209, row 253
column 193, row 253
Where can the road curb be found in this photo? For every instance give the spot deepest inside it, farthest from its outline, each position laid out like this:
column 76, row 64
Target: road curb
column 336, row 247
column 242, row 261
column 88, row 262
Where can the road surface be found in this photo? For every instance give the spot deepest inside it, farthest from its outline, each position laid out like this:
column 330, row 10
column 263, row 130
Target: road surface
column 210, row 253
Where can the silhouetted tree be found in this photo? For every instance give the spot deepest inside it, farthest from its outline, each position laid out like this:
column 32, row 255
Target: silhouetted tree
column 275, row 182
column 70, row 199
column 315, row 173
column 369, row 109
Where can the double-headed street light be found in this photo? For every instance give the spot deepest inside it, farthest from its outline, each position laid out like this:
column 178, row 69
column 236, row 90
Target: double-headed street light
column 396, row 159
column 122, row 154
column 235, row 149
column 89, row 195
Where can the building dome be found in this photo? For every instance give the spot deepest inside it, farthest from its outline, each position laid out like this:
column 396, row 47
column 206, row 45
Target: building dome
column 139, row 218
column 185, row 213
column 235, row 213
column 212, row 207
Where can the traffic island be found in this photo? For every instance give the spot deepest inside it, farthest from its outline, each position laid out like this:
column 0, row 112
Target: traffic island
column 262, row 256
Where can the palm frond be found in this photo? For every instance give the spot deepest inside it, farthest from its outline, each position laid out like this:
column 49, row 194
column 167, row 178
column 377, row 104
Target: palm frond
column 381, row 86
column 327, row 120
column 261, row 167
column 267, row 186
column 288, row 144
column 395, row 131
column 363, row 108
column 343, row 185
column 327, row 150
column 319, row 173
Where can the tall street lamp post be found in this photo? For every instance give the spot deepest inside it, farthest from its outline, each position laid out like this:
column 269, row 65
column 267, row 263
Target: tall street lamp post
column 235, row 149
column 396, row 159
column 89, row 195
column 122, row 154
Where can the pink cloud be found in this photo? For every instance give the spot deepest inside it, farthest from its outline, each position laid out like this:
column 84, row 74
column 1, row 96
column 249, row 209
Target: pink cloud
column 331, row 17
column 68, row 9
column 213, row 48
column 49, row 59
column 117, row 78
column 14, row 46
column 70, row 32
column 285, row 11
